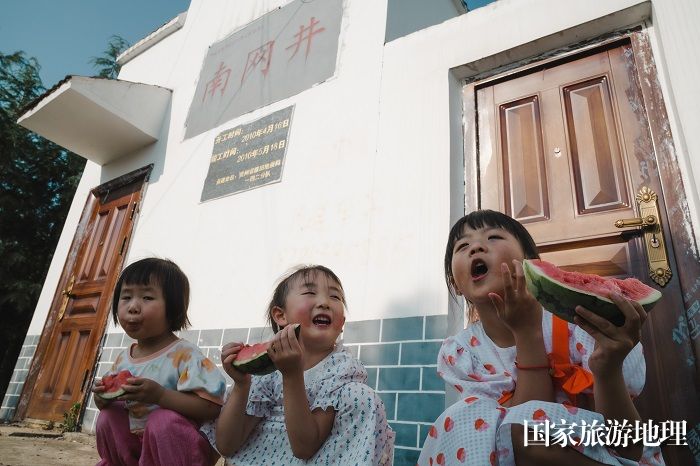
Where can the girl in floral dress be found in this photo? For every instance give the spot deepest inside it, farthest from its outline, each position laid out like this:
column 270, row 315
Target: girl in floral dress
column 516, row 365
column 175, row 387
column 316, row 409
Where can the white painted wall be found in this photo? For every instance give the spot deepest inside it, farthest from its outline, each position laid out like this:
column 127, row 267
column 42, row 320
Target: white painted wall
column 674, row 28
column 366, row 188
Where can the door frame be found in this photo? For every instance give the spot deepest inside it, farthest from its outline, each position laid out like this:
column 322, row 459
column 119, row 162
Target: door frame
column 679, row 221
column 81, row 231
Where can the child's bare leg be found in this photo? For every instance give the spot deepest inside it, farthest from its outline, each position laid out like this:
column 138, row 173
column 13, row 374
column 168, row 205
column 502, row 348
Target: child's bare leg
column 540, row 455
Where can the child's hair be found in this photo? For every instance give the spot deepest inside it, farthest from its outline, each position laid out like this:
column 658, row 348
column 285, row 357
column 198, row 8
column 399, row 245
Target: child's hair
column 172, row 281
column 480, row 219
column 303, row 272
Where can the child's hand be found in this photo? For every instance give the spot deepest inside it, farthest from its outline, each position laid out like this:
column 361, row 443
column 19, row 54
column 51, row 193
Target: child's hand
column 286, row 351
column 613, row 343
column 143, row 390
column 98, row 389
column 518, row 309
column 228, row 354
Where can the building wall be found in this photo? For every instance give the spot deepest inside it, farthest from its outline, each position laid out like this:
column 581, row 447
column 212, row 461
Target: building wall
column 678, row 61
column 366, row 188
column 372, row 180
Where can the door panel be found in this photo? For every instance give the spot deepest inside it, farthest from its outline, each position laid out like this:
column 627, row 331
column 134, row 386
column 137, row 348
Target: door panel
column 595, row 149
column 523, row 159
column 565, row 148
column 79, row 313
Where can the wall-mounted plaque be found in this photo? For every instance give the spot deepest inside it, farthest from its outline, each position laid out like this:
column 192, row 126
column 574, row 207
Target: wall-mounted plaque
column 248, row 156
column 274, row 57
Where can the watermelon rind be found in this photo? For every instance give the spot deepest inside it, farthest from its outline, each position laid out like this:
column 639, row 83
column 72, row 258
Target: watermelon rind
column 111, row 395
column 561, row 299
column 261, row 364
column 121, row 376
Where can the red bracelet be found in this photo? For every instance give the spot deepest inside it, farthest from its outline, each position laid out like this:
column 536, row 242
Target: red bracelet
column 530, row 368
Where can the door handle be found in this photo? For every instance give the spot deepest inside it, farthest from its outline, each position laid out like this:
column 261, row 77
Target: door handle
column 650, row 222
column 67, row 295
column 647, row 221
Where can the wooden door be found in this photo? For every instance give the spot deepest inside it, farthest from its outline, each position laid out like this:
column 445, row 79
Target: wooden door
column 565, row 148
column 62, row 369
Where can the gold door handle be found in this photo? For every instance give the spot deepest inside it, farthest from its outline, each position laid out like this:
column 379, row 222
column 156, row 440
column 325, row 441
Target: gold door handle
column 650, row 222
column 67, row 295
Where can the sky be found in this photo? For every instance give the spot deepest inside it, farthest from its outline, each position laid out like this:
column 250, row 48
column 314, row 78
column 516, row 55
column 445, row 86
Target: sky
column 64, row 34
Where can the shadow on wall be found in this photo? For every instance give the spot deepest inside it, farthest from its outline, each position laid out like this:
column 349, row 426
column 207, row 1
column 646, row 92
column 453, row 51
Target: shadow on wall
column 154, row 153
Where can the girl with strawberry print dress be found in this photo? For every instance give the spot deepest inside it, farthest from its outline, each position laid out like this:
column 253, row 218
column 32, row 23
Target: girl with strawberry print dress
column 516, row 365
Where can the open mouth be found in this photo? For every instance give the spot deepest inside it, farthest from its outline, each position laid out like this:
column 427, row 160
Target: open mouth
column 321, row 320
column 479, row 269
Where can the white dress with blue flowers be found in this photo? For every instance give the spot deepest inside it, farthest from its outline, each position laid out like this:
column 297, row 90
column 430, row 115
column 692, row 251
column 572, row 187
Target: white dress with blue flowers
column 360, row 433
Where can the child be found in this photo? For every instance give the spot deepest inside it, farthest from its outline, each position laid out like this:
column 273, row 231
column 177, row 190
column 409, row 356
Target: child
column 174, row 388
column 520, row 363
column 316, row 409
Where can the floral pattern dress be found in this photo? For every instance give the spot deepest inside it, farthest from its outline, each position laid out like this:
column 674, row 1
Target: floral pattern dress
column 179, row 366
column 360, row 433
column 476, row 429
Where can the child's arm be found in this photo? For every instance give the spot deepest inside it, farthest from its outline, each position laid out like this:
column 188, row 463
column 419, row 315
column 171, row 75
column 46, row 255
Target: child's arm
column 306, row 429
column 186, row 403
column 612, row 346
column 522, row 314
column 233, row 425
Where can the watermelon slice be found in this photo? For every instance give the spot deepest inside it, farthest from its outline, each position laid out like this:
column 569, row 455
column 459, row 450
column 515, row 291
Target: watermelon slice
column 560, row 291
column 113, row 384
column 253, row 359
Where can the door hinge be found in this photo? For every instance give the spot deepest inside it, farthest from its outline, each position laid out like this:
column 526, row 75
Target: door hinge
column 133, row 211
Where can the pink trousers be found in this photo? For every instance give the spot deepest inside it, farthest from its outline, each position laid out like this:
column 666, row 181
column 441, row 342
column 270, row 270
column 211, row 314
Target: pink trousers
column 169, row 439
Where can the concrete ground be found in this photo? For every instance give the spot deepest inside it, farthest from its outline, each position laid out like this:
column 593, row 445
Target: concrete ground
column 22, row 445
column 27, row 446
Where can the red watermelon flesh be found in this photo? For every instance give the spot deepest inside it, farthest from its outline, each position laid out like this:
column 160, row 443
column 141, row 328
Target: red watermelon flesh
column 630, row 288
column 560, row 291
column 113, row 384
column 253, row 359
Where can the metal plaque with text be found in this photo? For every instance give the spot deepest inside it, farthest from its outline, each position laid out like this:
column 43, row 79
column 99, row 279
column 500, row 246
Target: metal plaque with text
column 248, row 156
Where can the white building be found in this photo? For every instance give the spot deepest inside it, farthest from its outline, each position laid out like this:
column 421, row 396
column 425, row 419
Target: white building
column 243, row 138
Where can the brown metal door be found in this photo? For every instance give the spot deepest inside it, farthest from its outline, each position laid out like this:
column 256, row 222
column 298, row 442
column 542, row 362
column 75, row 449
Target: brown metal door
column 68, row 348
column 565, row 148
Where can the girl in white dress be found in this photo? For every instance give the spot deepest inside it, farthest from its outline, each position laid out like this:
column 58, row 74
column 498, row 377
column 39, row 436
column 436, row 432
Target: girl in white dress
column 316, row 409
column 517, row 362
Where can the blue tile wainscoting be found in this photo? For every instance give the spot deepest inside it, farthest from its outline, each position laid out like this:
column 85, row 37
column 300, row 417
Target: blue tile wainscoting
column 400, row 356
column 19, row 375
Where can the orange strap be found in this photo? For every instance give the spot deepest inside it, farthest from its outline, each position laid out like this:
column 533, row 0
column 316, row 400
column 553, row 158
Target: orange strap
column 506, row 396
column 573, row 379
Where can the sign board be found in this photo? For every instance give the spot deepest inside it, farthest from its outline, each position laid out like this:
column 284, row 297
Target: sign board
column 274, row 57
column 248, row 156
